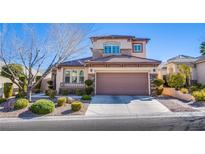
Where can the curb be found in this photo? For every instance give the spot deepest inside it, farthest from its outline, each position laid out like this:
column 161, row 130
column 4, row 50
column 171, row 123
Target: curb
column 83, row 117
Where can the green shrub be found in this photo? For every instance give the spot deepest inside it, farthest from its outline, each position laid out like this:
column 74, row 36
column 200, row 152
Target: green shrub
column 61, row 101
column 46, row 92
column 184, row 90
column 199, row 95
column 64, row 92
column 21, row 103
column 51, row 93
column 194, row 88
column 159, row 90
column 50, row 84
column 158, row 82
column 2, row 100
column 79, row 92
column 89, row 90
column 38, row 86
column 86, row 97
column 8, row 89
column 76, row 106
column 177, row 81
column 42, row 106
column 88, row 82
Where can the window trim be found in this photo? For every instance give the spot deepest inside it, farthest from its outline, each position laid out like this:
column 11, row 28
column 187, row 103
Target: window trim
column 111, row 45
column 78, row 75
column 135, row 51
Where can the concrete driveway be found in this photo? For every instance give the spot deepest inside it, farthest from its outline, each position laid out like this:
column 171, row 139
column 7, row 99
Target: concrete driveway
column 124, row 105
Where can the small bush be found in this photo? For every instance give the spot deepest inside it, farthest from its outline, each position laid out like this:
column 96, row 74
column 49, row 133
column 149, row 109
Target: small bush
column 199, row 95
column 88, row 82
column 21, row 103
column 79, row 92
column 86, row 97
column 89, row 90
column 177, row 81
column 184, row 90
column 51, row 93
column 50, row 84
column 158, row 82
column 64, row 92
column 42, row 106
column 61, row 101
column 76, row 106
column 2, row 100
column 8, row 89
column 159, row 91
column 194, row 88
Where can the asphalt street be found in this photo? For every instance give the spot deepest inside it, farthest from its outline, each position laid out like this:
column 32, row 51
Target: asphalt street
column 115, row 124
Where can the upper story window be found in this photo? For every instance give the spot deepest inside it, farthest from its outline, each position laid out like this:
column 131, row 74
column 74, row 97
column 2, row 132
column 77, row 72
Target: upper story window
column 74, row 76
column 137, row 48
column 111, row 49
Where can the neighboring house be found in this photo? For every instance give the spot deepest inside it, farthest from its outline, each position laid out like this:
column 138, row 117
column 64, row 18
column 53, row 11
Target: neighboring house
column 200, row 69
column 171, row 66
column 118, row 66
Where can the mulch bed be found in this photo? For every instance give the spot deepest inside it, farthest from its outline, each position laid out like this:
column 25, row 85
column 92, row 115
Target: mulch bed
column 175, row 105
column 26, row 113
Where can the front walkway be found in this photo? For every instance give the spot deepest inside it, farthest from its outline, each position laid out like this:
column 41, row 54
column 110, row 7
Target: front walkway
column 125, row 105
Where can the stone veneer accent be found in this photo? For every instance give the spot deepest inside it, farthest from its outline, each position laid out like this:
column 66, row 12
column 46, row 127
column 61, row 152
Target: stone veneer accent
column 152, row 87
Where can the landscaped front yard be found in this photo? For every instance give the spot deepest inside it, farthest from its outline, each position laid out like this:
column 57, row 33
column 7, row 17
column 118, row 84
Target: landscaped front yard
column 7, row 109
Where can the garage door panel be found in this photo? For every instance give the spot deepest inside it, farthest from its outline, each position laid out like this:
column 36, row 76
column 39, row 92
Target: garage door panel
column 122, row 83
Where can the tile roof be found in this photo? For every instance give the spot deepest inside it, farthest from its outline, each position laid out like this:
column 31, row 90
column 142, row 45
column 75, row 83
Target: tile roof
column 182, row 59
column 201, row 58
column 118, row 36
column 77, row 62
column 123, row 59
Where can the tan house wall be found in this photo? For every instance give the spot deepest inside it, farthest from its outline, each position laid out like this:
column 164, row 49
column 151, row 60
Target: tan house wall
column 200, row 69
column 60, row 75
column 126, row 47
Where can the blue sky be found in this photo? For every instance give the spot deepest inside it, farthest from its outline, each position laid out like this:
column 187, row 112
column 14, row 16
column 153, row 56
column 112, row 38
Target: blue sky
column 167, row 40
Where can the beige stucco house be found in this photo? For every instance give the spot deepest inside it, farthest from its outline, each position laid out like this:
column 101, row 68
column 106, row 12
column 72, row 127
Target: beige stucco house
column 171, row 66
column 197, row 65
column 200, row 69
column 118, row 66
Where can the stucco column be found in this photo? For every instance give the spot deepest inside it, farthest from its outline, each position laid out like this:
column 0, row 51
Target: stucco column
column 59, row 78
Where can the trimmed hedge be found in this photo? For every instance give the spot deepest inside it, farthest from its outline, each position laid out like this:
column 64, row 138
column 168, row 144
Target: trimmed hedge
column 8, row 89
column 88, row 82
column 76, row 106
column 86, row 97
column 61, row 101
column 89, row 90
column 42, row 106
column 21, row 103
column 158, row 82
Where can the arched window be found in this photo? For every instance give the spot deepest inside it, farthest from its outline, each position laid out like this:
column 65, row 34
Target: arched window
column 81, row 76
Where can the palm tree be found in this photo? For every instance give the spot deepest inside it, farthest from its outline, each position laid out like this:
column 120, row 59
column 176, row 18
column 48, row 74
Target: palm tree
column 186, row 71
column 202, row 48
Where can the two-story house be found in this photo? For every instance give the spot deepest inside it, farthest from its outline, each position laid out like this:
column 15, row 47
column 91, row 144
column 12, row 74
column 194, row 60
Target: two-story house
column 118, row 66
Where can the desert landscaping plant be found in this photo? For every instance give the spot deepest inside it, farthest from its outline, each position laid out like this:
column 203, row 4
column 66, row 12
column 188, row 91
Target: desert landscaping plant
column 21, row 103
column 199, row 95
column 42, row 106
column 76, row 106
column 176, row 81
column 89, row 87
column 79, row 92
column 61, row 101
column 158, row 86
column 186, row 71
column 8, row 89
column 51, row 93
column 86, row 97
column 184, row 90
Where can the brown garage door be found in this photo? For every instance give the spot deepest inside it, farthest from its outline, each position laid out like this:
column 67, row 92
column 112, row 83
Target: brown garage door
column 122, row 83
